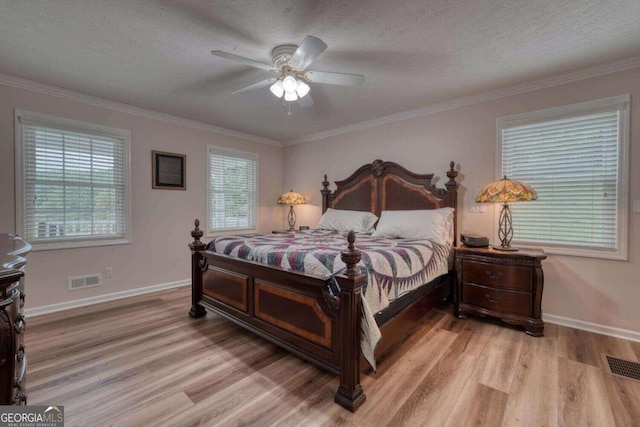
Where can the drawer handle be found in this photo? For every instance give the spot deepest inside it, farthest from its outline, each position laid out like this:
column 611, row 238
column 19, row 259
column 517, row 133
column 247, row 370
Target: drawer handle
column 496, row 276
column 21, row 397
column 491, row 300
column 20, row 376
column 20, row 324
column 20, row 354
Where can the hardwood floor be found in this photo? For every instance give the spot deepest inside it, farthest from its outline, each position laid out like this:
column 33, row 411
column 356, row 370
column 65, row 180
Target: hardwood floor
column 143, row 361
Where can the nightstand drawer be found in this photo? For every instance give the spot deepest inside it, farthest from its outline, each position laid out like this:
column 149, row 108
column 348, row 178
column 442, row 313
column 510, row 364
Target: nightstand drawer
column 511, row 302
column 496, row 275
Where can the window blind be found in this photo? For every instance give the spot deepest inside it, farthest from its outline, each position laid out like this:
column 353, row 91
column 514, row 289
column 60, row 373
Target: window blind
column 573, row 164
column 232, row 191
column 74, row 185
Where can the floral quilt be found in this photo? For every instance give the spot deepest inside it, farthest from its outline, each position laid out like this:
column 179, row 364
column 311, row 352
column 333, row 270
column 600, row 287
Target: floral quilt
column 394, row 267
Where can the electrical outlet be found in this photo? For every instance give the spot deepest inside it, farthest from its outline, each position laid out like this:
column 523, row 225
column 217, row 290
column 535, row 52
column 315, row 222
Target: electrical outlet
column 636, row 206
column 108, row 272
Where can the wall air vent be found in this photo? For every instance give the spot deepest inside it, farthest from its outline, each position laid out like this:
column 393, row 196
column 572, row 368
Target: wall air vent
column 83, row 282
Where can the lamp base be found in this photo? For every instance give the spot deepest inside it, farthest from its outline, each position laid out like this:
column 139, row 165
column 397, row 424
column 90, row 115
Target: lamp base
column 505, row 248
column 505, row 230
column 291, row 219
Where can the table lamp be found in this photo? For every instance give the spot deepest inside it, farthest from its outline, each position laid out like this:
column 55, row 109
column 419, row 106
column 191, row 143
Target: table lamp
column 291, row 198
column 506, row 191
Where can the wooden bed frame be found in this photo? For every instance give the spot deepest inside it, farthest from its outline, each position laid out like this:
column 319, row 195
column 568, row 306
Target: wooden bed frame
column 295, row 310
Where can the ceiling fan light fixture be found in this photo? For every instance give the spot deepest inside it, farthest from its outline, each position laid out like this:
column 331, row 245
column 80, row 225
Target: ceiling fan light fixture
column 277, row 89
column 290, row 96
column 302, row 89
column 289, row 63
column 289, row 83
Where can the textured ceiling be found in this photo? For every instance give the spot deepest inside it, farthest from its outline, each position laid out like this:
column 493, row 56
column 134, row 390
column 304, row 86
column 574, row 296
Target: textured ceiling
column 156, row 54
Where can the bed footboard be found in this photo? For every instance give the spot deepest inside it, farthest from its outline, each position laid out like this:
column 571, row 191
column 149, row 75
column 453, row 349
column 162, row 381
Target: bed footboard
column 291, row 309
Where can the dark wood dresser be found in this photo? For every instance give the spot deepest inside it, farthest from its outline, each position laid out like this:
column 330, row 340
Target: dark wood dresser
column 507, row 285
column 13, row 361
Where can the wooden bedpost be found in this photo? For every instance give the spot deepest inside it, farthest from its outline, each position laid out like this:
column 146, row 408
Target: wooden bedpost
column 350, row 394
column 452, row 195
column 196, row 272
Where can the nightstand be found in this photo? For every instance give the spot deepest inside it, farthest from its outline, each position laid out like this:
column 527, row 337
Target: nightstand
column 507, row 285
column 282, row 231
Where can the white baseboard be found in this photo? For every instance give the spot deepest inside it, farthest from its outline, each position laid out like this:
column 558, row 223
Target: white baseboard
column 551, row 318
column 593, row 327
column 52, row 308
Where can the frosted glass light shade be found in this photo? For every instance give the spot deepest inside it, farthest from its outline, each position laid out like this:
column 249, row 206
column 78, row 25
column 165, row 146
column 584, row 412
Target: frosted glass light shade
column 290, row 96
column 289, row 84
column 302, row 89
column 290, row 87
column 277, row 89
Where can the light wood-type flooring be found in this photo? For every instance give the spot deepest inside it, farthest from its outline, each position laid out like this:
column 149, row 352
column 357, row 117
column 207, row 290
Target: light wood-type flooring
column 143, row 361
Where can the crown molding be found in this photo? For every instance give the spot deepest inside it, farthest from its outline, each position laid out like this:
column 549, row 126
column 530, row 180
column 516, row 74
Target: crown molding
column 129, row 109
column 611, row 67
column 599, row 70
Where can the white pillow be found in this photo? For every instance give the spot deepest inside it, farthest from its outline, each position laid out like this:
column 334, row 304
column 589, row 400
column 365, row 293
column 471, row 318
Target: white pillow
column 435, row 225
column 344, row 220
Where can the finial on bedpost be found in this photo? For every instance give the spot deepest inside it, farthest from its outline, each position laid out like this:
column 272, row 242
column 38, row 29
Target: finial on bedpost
column 325, row 183
column 351, row 256
column 196, row 233
column 452, row 174
column 325, row 194
column 351, row 239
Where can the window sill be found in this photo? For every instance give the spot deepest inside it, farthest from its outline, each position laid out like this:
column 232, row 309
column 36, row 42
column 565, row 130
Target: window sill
column 577, row 252
column 43, row 246
column 212, row 234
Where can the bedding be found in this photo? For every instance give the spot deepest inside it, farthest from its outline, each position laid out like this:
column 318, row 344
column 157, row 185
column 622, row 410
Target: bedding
column 393, row 267
column 346, row 220
column 434, row 224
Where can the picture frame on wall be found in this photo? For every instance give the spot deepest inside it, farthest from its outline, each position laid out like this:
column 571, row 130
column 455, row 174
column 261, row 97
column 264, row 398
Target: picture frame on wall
column 168, row 170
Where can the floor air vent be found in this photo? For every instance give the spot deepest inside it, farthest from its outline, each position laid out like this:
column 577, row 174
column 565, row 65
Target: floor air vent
column 83, row 282
column 622, row 368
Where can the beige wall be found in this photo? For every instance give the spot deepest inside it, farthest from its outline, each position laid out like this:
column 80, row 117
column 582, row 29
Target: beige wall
column 586, row 289
column 162, row 219
column 599, row 291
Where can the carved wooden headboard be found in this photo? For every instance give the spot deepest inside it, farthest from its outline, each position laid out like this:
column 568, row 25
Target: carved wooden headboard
column 380, row 186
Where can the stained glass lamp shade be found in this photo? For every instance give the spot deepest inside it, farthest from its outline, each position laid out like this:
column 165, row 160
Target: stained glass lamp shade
column 506, row 191
column 291, row 198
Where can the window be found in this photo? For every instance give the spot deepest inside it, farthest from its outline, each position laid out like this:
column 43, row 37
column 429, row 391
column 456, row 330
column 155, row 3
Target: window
column 71, row 182
column 232, row 188
column 576, row 158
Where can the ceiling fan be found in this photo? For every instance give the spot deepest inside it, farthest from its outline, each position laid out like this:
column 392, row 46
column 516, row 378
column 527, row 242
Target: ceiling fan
column 290, row 63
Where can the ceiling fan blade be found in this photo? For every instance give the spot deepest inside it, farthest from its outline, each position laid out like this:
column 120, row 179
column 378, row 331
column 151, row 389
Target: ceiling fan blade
column 242, row 60
column 259, row 85
column 310, row 48
column 343, row 79
column 305, row 101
